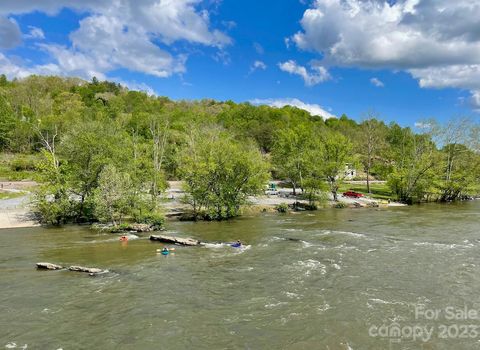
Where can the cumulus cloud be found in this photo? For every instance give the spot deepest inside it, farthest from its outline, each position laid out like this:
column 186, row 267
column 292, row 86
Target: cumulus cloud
column 377, row 82
column 124, row 34
column 313, row 109
column 438, row 42
column 10, row 35
column 316, row 75
column 258, row 65
column 475, row 100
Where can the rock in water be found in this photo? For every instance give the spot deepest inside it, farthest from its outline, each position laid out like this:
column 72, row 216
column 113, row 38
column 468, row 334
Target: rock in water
column 174, row 240
column 48, row 266
column 90, row 270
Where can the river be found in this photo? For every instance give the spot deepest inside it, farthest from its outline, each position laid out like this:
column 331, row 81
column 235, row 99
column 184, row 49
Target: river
column 332, row 279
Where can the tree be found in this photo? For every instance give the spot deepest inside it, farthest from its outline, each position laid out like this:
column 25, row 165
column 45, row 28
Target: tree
column 159, row 134
column 111, row 197
column 290, row 154
column 7, row 124
column 372, row 140
column 220, row 173
column 52, row 201
column 415, row 158
column 336, row 153
column 458, row 164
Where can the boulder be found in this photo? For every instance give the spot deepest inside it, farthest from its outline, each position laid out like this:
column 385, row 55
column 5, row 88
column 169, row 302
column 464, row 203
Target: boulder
column 48, row 266
column 174, row 240
column 90, row 270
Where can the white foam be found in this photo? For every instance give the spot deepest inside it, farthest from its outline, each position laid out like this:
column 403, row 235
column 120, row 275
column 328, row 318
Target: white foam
column 352, row 234
column 273, row 305
column 312, row 265
column 306, row 244
column 215, row 245
column 292, row 295
column 443, row 245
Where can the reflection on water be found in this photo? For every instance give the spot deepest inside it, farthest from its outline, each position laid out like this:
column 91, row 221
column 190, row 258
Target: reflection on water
column 304, row 282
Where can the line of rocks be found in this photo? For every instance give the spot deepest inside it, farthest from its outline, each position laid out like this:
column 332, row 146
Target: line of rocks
column 92, row 271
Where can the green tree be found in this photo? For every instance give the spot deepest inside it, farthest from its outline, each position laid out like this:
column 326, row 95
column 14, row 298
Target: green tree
column 290, row 154
column 220, row 173
column 414, row 161
column 112, row 196
column 372, row 141
column 336, row 153
column 7, row 124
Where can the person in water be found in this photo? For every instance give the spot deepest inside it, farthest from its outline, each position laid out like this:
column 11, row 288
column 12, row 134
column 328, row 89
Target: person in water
column 165, row 249
column 237, row 244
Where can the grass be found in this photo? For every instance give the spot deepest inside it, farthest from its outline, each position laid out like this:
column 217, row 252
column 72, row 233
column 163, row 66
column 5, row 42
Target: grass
column 379, row 190
column 10, row 195
column 17, row 167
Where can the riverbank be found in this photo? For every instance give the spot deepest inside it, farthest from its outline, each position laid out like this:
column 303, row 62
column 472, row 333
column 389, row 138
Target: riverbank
column 14, row 208
column 15, row 212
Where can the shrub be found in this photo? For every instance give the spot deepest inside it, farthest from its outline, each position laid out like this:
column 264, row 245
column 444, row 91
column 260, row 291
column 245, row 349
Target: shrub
column 23, row 163
column 157, row 220
column 282, row 208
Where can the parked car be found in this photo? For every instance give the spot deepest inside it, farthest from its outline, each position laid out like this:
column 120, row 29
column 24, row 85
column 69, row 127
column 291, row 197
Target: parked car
column 352, row 194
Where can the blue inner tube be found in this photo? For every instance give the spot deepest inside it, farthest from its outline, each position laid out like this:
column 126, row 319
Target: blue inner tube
column 165, row 252
column 236, row 245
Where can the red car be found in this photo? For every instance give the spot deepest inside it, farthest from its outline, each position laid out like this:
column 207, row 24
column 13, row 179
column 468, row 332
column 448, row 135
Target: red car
column 352, row 194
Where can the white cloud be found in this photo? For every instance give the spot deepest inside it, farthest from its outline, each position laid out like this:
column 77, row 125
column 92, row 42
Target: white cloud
column 258, row 65
column 134, row 86
column 10, row 35
column 316, row 75
column 124, row 34
column 258, row 48
column 422, row 125
column 35, row 33
column 437, row 41
column 377, row 82
column 313, row 109
column 14, row 69
column 475, row 100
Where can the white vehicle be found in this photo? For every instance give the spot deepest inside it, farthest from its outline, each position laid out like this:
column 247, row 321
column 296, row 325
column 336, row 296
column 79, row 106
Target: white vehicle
column 271, row 192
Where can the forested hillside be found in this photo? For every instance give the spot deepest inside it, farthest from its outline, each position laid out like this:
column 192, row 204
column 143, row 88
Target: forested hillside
column 103, row 152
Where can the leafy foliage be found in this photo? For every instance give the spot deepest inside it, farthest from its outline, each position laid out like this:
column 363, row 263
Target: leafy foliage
column 223, row 150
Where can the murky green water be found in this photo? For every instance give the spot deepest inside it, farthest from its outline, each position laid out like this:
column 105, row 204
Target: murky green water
column 349, row 273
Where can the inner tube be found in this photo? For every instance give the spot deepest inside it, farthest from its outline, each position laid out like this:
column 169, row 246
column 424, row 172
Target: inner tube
column 124, row 238
column 236, row 245
column 165, row 252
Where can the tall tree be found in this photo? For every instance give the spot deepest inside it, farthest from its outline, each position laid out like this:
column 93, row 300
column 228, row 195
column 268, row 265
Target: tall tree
column 220, row 172
column 372, row 140
column 336, row 153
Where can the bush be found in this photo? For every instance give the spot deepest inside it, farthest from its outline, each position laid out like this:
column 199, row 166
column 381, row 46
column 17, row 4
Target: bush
column 340, row 205
column 282, row 208
column 23, row 163
column 157, row 220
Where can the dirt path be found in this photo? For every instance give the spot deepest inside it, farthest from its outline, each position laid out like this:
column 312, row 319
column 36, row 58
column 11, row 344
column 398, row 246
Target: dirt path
column 15, row 212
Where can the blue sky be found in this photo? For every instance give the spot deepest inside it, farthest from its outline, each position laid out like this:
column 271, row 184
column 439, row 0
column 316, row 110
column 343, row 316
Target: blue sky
column 404, row 61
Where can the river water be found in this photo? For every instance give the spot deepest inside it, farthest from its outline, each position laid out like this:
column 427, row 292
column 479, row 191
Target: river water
column 332, row 279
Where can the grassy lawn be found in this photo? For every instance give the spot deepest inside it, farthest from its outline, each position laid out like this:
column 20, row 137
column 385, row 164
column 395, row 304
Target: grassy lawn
column 379, row 190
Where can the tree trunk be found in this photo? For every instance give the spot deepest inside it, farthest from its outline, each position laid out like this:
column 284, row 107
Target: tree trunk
column 368, row 181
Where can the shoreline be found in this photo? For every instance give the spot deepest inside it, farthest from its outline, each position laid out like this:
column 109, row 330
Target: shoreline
column 15, row 212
